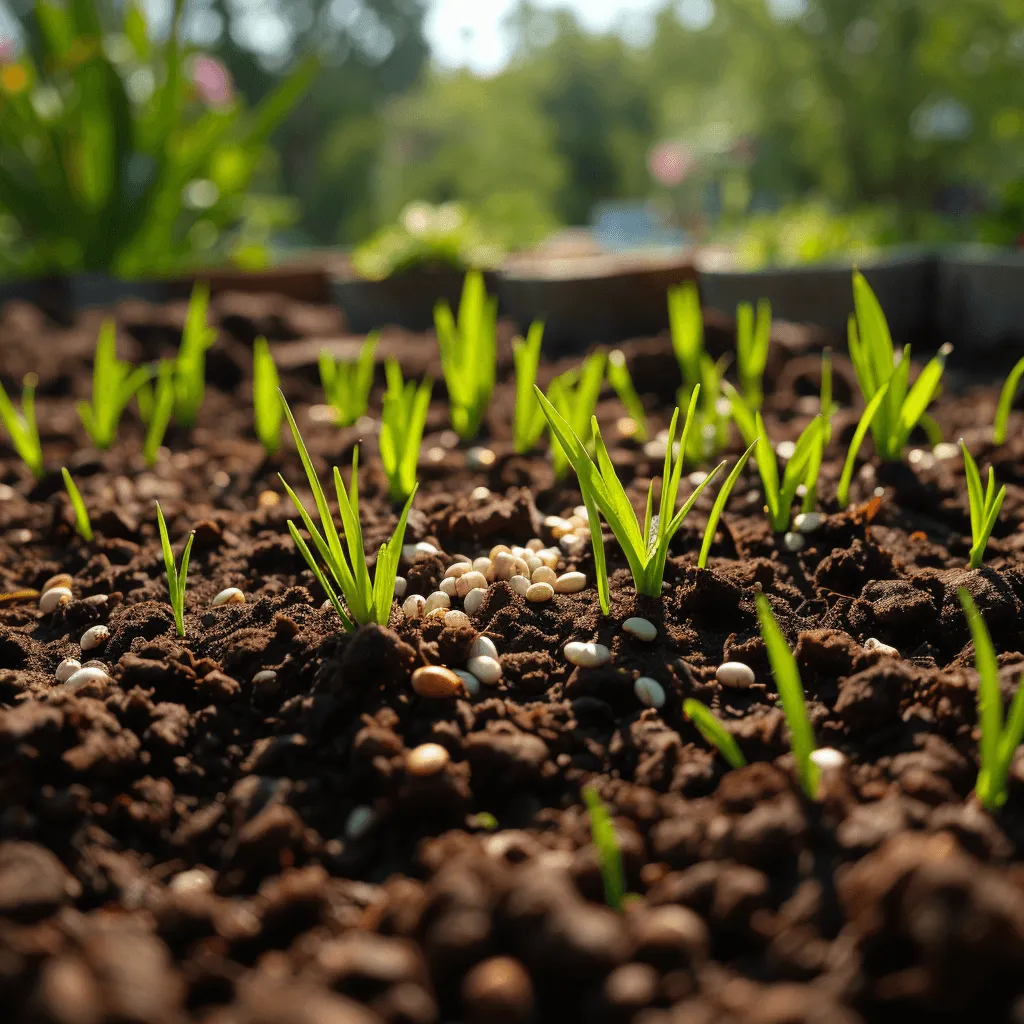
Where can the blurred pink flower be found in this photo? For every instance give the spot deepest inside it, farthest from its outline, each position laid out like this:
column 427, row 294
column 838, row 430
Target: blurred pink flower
column 212, row 81
column 670, row 163
column 7, row 52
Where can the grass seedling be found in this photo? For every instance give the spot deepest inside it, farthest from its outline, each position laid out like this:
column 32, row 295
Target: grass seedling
column 791, row 691
column 175, row 576
column 646, row 546
column 719, row 506
column 875, row 363
column 83, row 527
column 998, row 744
column 401, row 433
column 609, row 856
column 469, row 353
column 365, row 600
column 20, row 425
column 620, row 379
column 574, row 394
column 826, row 409
column 714, row 732
column 985, row 503
column 347, row 382
column 753, row 337
column 1006, row 397
column 159, row 411
column 779, row 496
column 863, row 424
column 190, row 365
column 265, row 403
column 528, row 420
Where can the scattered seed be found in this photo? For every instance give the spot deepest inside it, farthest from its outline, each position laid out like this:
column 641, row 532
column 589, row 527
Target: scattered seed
column 586, row 655
column 572, row 545
column 66, row 669
column 53, row 598
column 95, row 663
column 427, row 759
column 264, row 676
column 469, row 681
column 470, row 581
column 872, row 644
column 412, row 606
column 230, row 596
column 539, row 592
column 62, row 579
column 793, row 541
column 438, row 599
column 483, row 647
column 192, row 880
column 649, row 692
column 479, row 494
column 570, row 583
column 499, row 549
column 828, row 758
column 785, row 450
column 436, row 681
column 84, row 676
column 580, row 511
column 503, row 565
column 93, row 637
column 946, row 450
column 535, row 544
column 454, row 619
column 436, row 613
column 486, row 669
column 410, row 552
column 578, row 523
column 532, row 562
column 359, row 821
column 735, row 675
column 550, row 557
column 457, row 569
column 474, row 600
column 482, row 564
column 480, row 458
column 96, row 600
column 557, row 523
column 520, row 584
column 449, row 586
column 542, row 574
column 400, row 585
column 808, row 522
column 642, row 629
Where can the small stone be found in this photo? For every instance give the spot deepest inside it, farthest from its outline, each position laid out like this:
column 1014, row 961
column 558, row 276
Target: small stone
column 412, row 606
column 542, row 574
column 470, row 581
column 449, row 586
column 53, row 598
column 437, row 682
column 66, row 669
column 84, row 676
column 232, row 595
column 808, row 522
column 486, row 669
column 438, row 599
column 470, row 681
column 93, row 637
column 483, row 647
column 474, row 600
column 649, row 692
column 873, row 644
column 735, row 675
column 62, row 579
column 192, row 880
column 570, row 583
column 427, row 759
column 539, row 592
column 586, row 655
column 642, row 629
column 794, row 541
column 454, row 619
column 400, row 585
column 520, row 584
column 359, row 821
column 265, row 676
column 479, row 494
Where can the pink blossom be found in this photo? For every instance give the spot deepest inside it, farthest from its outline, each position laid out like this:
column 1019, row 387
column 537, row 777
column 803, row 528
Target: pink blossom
column 212, row 81
column 7, row 50
column 670, row 163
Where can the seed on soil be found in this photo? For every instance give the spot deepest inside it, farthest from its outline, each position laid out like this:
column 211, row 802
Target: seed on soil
column 413, row 605
column 470, row 681
column 535, row 544
column 436, row 613
column 193, row 880
column 946, row 450
column 470, row 581
column 580, row 511
column 483, row 647
column 400, row 585
column 586, row 655
column 550, row 557
column 427, row 759
column 264, row 676
column 84, row 676
column 499, row 549
column 436, row 681
column 873, row 644
column 480, row 458
column 454, row 619
column 735, row 675
column 93, row 637
column 96, row 600
column 808, row 522
column 410, row 552
column 642, row 629
column 438, row 599
column 532, row 562
column 520, row 584
column 230, row 596
column 539, row 592
column 570, row 583
column 785, row 450
column 828, row 758
column 479, row 494
column 485, row 668
column 473, row 601
column 542, row 574
column 359, row 821
column 457, row 569
column 95, row 663
column 557, row 525
column 503, row 565
column 66, row 669
column 649, row 692
column 448, row 586
column 62, row 579
column 794, row 541
column 53, row 598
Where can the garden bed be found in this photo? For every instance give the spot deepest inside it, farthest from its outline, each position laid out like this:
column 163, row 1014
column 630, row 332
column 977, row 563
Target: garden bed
column 231, row 830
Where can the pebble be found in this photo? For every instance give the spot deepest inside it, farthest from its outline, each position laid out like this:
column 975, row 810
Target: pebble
column 539, row 592
column 53, row 598
column 62, row 579
column 412, row 606
column 264, row 676
column 586, row 655
column 486, row 669
column 470, row 581
column 872, row 644
column 474, row 600
column 84, row 676
column 542, row 574
column 642, row 629
column 793, row 541
column 457, row 569
column 483, row 647
column 808, row 522
column 454, row 619
column 479, row 494
column 192, row 880
column 438, row 599
column 93, row 637
column 470, row 681
column 427, row 759
column 503, row 565
column 570, row 583
column 735, row 675
column 449, row 586
column 66, row 669
column 230, row 596
column 520, row 584
column 400, row 585
column 436, row 681
column 649, row 692
column 359, row 821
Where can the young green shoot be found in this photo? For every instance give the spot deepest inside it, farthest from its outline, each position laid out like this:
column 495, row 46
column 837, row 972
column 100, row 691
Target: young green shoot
column 1006, row 397
column 114, row 382
column 985, row 503
column 347, row 382
column 791, row 691
column 469, row 353
column 644, row 546
column 266, row 405
column 779, row 496
column 997, row 744
column 719, row 506
column 160, row 410
column 620, row 379
column 190, row 365
column 356, row 598
column 866, row 419
column 528, row 420
column 574, row 394
column 826, row 408
column 753, row 337
column 606, row 842
column 20, row 425
column 875, row 363
column 686, row 325
column 176, row 576
column 401, row 433
column 83, row 527
column 714, row 732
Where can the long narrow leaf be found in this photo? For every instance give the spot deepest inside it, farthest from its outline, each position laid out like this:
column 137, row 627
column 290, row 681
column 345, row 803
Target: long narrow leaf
column 719, row 506
column 1006, row 397
column 714, row 732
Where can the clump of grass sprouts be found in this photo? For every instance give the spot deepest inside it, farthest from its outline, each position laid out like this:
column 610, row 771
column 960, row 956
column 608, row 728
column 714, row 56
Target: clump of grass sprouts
column 114, row 382
column 719, row 506
column 21, row 427
column 190, row 364
column 159, row 407
column 753, row 338
column 405, row 414
column 574, row 394
column 83, row 526
column 347, row 382
column 779, row 495
column 528, row 420
column 176, row 575
column 267, row 412
column 985, row 503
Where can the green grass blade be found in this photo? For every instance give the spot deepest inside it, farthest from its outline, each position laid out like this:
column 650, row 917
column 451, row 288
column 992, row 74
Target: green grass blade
column 743, row 415
column 686, row 325
column 363, row 377
column 609, row 856
column 182, row 577
column 190, row 365
column 620, row 379
column 921, row 394
column 266, row 406
column 866, row 419
column 1006, row 397
column 809, row 448
column 386, row 570
column 767, row 467
column 977, row 555
column 1012, row 735
column 975, row 498
column 719, row 506
column 714, row 732
column 528, row 420
column 83, row 527
column 160, row 413
column 597, row 548
column 314, row 567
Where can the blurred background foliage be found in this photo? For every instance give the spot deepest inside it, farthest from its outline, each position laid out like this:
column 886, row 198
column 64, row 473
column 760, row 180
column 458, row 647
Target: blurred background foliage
column 792, row 129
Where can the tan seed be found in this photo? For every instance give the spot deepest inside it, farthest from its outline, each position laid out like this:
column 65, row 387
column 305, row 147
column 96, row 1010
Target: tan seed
column 535, row 544
column 542, row 574
column 487, row 670
column 499, row 549
column 54, row 598
column 427, row 759
column 449, row 586
column 586, row 655
column 570, row 583
column 455, row 619
column 62, row 579
column 539, row 592
column 436, row 681
column 470, row 581
column 230, row 596
column 503, row 565
column 458, row 569
column 412, row 606
column 93, row 637
column 438, row 599
column 735, row 675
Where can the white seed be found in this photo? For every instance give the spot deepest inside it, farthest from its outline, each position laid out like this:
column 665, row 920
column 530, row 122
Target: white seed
column 642, row 629
column 400, row 585
column 326, row 606
column 586, row 655
column 436, row 613
column 735, row 675
column 95, row 663
column 580, row 511
column 66, row 669
column 482, row 564
column 412, row 606
column 457, row 569
column 192, row 880
column 785, row 450
column 520, row 584
column 479, row 458
column 449, row 586
column 62, row 579
column 469, row 680
column 474, row 600
column 503, row 565
column 53, row 598
column 808, row 522
column 454, row 619
column 579, row 523
column 483, row 647
column 519, row 551
column 410, row 552
column 438, row 599
column 499, row 549
column 532, row 562
column 479, row 494
column 542, row 574
column 93, row 637
column 649, row 692
column 487, row 670
column 520, row 568
column 84, row 676
column 359, row 821
column 264, row 676
column 828, row 758
column 535, row 544
column 538, row 592
column 946, row 450
column 96, row 600
column 549, row 556
column 471, row 581
column 872, row 644
column 793, row 541
column 230, row 596
column 557, row 525
column 570, row 583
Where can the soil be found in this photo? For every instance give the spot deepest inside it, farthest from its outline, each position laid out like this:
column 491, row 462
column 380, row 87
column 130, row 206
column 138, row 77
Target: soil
column 178, row 844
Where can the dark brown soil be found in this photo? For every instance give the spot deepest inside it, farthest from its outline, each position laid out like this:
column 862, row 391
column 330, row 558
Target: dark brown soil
column 173, row 844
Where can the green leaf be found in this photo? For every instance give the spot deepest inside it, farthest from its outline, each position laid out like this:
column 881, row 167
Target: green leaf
column 866, row 419
column 528, row 420
column 160, row 413
column 620, row 379
column 714, row 732
column 266, row 406
column 83, row 527
column 686, row 325
column 1006, row 397
column 609, row 856
column 719, row 506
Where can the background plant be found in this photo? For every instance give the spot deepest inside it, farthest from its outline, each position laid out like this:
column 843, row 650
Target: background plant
column 753, row 338
column 826, row 408
column 160, row 408
column 21, row 427
column 401, row 433
column 984, row 504
column 714, row 732
column 114, row 382
column 347, row 382
column 606, row 843
column 778, row 495
column 267, row 411
column 528, row 419
column 574, row 394
column 83, row 526
column 190, row 364
column 176, row 575
column 1005, row 404
column 621, row 380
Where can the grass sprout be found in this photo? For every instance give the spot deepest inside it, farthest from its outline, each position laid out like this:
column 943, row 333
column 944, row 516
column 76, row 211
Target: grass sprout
column 114, row 382
column 787, row 680
column 985, row 503
column 1006, row 397
column 267, row 413
column 778, row 495
column 644, row 546
column 159, row 410
column 574, row 394
column 356, row 598
column 876, row 364
column 620, row 379
column 998, row 744
column 21, row 427
column 719, row 506
column 606, row 842
column 347, row 382
column 714, row 732
column 528, row 420
column 686, row 326
column 469, row 354
column 863, row 425
column 753, row 338
column 826, row 409
column 83, row 527
column 401, row 433
column 176, row 576
column 190, row 365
